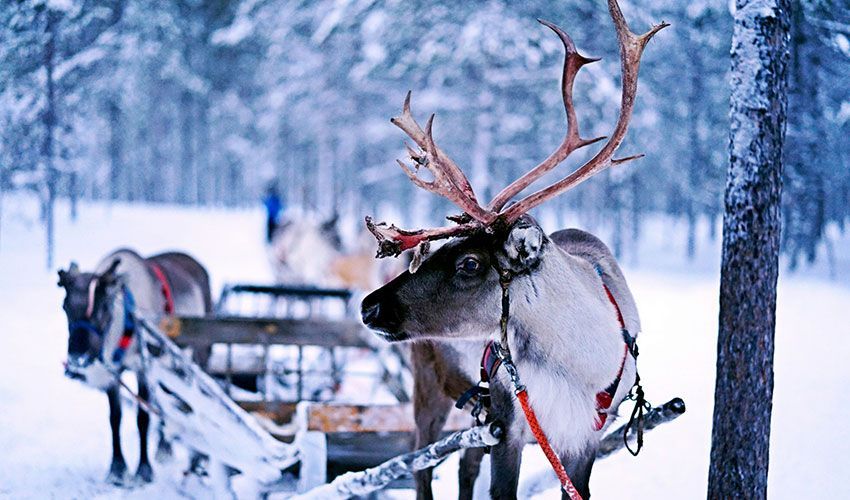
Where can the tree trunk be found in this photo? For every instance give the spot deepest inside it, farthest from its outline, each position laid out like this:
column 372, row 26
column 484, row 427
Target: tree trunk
column 482, row 144
column 744, row 386
column 2, row 191
column 73, row 192
column 49, row 129
column 117, row 180
column 186, row 171
column 804, row 179
column 204, row 179
column 699, row 161
column 324, row 182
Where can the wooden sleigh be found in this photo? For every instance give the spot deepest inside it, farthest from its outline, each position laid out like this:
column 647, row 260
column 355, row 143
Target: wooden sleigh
column 318, row 449
column 341, row 436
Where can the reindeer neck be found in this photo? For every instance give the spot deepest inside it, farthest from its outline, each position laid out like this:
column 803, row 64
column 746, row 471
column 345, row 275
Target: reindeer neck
column 562, row 320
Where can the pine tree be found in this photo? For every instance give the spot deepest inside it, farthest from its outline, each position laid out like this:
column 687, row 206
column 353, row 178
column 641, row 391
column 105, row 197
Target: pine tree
column 751, row 226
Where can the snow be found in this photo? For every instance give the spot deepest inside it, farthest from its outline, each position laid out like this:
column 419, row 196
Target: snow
column 232, row 34
column 54, row 432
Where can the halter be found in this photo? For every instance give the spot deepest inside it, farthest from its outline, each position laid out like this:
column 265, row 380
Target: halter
column 129, row 323
column 497, row 353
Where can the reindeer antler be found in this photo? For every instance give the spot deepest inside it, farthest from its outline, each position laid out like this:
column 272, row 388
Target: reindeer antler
column 450, row 182
column 631, row 49
column 573, row 61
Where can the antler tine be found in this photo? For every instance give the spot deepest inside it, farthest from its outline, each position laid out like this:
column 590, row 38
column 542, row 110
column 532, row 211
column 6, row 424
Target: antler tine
column 392, row 240
column 449, row 181
column 573, row 62
column 631, row 49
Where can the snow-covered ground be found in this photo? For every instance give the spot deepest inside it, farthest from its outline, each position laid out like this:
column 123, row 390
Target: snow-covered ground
column 54, row 439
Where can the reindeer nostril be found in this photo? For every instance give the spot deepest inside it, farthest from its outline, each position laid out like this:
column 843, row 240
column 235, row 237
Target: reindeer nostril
column 370, row 312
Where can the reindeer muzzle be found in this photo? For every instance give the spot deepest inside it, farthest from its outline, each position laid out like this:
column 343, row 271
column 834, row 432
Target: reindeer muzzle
column 76, row 367
column 381, row 313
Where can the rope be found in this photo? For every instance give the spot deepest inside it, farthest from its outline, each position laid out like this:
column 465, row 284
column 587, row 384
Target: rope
column 144, row 404
column 566, row 484
column 637, row 417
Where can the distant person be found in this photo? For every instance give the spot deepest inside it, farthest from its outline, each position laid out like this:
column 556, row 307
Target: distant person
column 274, row 207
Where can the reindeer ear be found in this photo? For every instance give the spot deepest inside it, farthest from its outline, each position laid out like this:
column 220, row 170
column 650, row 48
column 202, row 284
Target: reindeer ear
column 110, row 277
column 66, row 276
column 524, row 245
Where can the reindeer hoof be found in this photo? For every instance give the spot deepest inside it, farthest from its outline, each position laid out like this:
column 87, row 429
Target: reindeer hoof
column 164, row 452
column 117, row 473
column 144, row 474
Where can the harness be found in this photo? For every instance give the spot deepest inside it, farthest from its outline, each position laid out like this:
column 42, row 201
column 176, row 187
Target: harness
column 127, row 332
column 164, row 286
column 497, row 354
column 129, row 327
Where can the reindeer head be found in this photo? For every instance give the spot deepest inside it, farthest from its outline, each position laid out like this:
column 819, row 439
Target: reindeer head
column 88, row 307
column 456, row 291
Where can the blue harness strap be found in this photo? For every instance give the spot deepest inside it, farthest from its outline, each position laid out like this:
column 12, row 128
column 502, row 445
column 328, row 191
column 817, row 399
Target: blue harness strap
column 84, row 324
column 129, row 326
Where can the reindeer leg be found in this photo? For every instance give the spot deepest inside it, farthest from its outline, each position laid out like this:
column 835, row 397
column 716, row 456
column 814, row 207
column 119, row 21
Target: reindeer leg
column 429, row 422
column 430, row 411
column 579, row 468
column 118, row 468
column 505, row 457
column 144, row 474
column 470, row 465
column 164, row 452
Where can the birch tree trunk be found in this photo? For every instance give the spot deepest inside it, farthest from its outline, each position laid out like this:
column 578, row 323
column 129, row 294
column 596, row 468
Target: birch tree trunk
column 744, row 386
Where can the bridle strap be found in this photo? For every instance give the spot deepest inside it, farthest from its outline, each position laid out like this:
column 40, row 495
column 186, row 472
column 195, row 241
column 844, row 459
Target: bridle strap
column 84, row 324
column 90, row 297
column 503, row 351
column 505, row 277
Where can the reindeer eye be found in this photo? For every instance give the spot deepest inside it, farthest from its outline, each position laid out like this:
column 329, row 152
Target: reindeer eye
column 469, row 265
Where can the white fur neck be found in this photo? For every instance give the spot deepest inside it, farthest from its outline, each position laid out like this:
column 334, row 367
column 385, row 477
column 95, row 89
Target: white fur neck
column 565, row 339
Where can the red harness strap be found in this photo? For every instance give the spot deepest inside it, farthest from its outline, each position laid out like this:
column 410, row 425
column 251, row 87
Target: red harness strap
column 166, row 288
column 495, row 355
column 605, row 398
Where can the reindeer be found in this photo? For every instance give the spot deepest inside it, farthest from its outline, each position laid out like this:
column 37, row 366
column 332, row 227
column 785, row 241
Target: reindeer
column 556, row 309
column 100, row 308
column 306, row 252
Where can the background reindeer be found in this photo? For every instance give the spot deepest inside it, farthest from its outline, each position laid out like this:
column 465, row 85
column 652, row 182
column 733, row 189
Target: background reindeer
column 96, row 305
column 303, row 251
column 572, row 319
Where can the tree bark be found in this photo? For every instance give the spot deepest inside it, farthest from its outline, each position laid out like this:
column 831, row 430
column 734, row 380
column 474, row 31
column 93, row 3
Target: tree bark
column 49, row 119
column 699, row 162
column 751, row 224
column 117, row 179
column 186, row 193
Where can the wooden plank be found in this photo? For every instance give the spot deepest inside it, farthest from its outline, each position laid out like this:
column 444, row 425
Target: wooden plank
column 205, row 331
column 337, row 418
column 349, row 451
column 340, row 418
column 290, row 291
column 279, row 412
